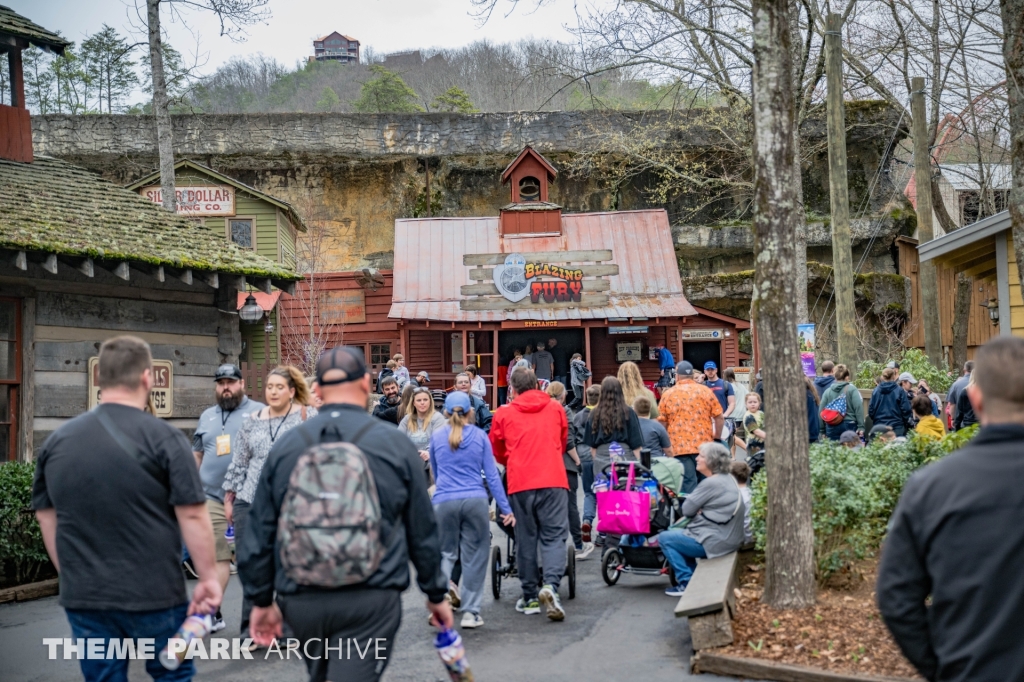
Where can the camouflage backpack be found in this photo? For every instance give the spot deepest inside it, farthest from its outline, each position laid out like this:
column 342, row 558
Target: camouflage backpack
column 330, row 528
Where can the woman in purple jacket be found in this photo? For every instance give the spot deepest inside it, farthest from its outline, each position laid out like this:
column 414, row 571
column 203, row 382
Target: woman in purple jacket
column 458, row 453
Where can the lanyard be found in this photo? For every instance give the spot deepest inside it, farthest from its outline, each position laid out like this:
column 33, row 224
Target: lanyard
column 224, row 417
column 270, row 428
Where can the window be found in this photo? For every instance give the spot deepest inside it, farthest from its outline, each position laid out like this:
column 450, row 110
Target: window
column 241, row 232
column 380, row 353
column 10, row 376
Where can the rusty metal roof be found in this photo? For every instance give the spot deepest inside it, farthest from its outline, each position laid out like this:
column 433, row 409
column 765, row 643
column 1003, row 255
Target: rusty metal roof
column 429, row 269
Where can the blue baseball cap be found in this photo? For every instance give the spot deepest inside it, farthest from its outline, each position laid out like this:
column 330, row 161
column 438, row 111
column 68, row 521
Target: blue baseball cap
column 710, row 364
column 457, row 400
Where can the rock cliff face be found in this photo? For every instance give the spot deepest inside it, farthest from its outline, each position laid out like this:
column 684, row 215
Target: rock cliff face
column 358, row 173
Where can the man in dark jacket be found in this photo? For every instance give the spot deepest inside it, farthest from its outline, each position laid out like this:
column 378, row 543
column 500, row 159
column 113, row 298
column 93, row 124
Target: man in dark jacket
column 483, row 415
column 956, row 540
column 890, row 405
column 387, row 406
column 827, row 377
column 367, row 610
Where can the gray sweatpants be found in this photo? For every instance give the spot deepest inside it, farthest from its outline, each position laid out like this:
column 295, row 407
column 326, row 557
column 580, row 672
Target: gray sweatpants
column 466, row 525
column 542, row 517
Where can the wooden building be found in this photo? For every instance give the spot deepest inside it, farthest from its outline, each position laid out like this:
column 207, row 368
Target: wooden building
column 244, row 215
column 983, row 251
column 82, row 260
column 335, row 47
column 471, row 290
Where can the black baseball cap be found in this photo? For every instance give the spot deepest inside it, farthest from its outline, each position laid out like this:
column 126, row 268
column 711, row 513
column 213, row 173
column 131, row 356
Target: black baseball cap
column 227, row 371
column 348, row 359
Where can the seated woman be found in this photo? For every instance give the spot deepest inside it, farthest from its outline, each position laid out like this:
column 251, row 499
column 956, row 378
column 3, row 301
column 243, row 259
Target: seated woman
column 715, row 512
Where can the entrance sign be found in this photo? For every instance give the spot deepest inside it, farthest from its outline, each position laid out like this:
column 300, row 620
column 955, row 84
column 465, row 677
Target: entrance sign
column 805, row 332
column 629, row 351
column 162, row 394
column 709, row 334
column 197, row 199
column 628, row 330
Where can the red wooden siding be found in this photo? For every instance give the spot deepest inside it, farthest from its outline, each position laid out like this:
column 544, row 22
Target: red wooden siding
column 530, row 222
column 15, row 134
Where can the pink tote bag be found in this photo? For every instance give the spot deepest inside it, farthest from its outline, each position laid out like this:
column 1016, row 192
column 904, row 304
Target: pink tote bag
column 624, row 512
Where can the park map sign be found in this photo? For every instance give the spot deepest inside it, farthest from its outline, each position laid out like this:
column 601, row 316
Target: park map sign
column 559, row 279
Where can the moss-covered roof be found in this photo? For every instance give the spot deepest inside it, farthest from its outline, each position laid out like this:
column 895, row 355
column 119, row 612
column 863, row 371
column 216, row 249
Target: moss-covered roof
column 53, row 206
column 13, row 24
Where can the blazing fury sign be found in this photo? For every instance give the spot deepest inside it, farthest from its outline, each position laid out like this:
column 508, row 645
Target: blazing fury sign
column 525, row 281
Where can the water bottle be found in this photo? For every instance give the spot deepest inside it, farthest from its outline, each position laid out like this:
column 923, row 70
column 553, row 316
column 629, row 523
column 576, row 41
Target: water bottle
column 449, row 647
column 616, row 453
column 195, row 626
column 229, row 535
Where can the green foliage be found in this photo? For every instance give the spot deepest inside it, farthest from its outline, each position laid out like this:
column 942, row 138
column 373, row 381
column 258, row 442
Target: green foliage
column 454, row 100
column 854, row 493
column 386, row 92
column 914, row 361
column 22, row 553
column 328, row 100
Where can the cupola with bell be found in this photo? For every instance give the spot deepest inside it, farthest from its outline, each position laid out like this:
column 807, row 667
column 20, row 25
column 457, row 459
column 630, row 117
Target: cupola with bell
column 530, row 213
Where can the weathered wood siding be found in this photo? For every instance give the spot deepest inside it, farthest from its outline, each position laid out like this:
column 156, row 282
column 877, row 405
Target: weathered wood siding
column 1016, row 302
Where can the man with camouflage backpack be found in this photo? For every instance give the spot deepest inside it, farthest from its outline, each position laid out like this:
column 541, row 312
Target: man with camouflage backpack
column 340, row 510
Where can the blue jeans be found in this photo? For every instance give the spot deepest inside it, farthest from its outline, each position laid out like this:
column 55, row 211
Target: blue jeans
column 589, row 496
column 682, row 553
column 156, row 625
column 690, row 480
column 834, row 432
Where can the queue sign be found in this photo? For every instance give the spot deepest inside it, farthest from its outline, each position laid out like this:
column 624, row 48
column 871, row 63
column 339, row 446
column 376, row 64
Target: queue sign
column 163, row 386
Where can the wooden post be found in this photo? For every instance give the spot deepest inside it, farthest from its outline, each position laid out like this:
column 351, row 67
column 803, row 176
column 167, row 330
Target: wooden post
column 496, row 361
column 927, row 278
column 586, row 349
column 17, row 78
column 842, row 257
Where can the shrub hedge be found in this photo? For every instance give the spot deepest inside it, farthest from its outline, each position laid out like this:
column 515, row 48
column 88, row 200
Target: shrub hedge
column 854, row 492
column 913, row 361
column 23, row 557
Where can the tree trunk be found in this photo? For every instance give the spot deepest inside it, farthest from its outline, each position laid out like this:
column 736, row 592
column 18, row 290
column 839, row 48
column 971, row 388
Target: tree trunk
column 796, row 50
column 961, row 319
column 164, row 132
column 1012, row 12
column 789, row 575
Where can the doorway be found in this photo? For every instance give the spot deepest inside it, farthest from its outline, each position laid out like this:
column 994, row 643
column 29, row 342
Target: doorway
column 699, row 352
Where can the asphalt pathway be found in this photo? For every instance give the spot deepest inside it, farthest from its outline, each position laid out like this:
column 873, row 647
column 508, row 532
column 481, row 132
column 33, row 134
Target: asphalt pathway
column 627, row 632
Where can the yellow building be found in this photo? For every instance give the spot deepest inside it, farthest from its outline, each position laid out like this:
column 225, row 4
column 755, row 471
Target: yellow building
column 984, row 251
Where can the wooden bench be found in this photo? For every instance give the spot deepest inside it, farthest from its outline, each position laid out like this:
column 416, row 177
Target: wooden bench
column 710, row 601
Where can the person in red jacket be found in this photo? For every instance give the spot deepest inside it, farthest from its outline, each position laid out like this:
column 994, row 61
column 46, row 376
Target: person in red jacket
column 528, row 437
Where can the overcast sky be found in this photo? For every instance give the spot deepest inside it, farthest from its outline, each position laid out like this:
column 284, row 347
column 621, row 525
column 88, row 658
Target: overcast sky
column 386, row 25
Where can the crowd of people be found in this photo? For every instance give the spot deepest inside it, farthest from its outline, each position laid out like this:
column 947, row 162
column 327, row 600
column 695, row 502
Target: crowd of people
column 425, row 474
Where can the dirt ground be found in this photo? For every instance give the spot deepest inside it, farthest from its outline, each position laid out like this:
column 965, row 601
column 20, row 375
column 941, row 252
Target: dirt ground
column 843, row 632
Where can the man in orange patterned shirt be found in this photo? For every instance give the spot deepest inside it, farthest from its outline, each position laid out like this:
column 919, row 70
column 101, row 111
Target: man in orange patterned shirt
column 693, row 416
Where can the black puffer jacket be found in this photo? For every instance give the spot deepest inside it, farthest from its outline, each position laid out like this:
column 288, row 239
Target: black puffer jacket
column 890, row 405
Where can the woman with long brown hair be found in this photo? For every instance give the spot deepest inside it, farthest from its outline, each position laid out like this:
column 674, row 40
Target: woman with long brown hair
column 288, row 400
column 612, row 421
column 633, row 386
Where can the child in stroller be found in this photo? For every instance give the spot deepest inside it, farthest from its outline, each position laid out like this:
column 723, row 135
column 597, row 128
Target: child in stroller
column 640, row 554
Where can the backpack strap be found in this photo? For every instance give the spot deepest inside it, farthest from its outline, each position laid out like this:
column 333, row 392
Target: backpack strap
column 129, row 446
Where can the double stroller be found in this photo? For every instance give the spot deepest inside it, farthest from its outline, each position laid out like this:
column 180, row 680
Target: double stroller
column 640, row 554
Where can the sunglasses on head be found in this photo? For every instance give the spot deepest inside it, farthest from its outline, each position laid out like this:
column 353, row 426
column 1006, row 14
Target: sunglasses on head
column 420, row 389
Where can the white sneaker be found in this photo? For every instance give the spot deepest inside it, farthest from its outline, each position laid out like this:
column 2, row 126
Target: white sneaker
column 218, row 625
column 472, row 620
column 585, row 551
column 453, row 595
column 549, row 597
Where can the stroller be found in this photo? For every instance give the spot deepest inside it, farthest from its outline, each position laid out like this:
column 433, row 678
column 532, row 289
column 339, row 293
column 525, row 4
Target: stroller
column 501, row 571
column 635, row 553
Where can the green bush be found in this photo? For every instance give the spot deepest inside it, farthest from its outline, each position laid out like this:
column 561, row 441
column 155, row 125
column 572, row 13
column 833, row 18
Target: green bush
column 913, row 361
column 22, row 553
column 853, row 493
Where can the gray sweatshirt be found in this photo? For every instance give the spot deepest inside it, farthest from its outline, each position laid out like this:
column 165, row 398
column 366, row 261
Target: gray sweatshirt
column 716, row 520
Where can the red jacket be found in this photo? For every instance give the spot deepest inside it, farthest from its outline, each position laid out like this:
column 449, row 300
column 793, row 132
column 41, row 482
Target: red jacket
column 528, row 437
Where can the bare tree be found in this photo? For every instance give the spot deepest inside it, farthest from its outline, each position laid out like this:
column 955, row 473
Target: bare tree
column 789, row 574
column 234, row 16
column 1013, row 54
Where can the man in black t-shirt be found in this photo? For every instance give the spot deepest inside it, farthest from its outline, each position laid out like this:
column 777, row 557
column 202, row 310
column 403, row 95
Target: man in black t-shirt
column 115, row 491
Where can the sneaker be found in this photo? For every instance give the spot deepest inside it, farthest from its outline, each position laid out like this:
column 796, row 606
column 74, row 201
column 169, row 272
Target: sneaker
column 234, row 568
column 190, row 569
column 528, row 607
column 218, row 624
column 675, row 590
column 585, row 551
column 453, row 595
column 472, row 620
column 599, row 540
column 585, row 529
column 549, row 596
